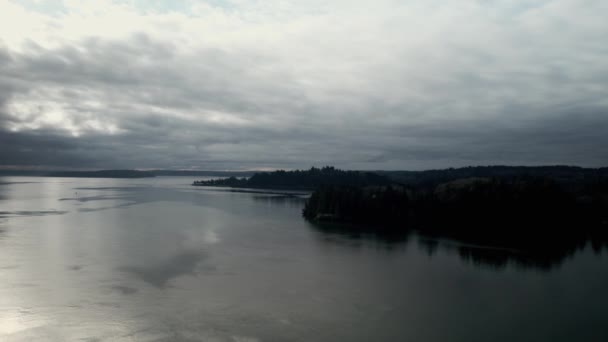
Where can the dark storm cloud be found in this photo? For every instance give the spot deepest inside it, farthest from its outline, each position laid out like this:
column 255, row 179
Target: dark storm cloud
column 182, row 92
column 575, row 135
column 53, row 149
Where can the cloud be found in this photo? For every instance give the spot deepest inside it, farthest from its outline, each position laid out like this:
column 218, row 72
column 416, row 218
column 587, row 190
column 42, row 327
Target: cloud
column 362, row 84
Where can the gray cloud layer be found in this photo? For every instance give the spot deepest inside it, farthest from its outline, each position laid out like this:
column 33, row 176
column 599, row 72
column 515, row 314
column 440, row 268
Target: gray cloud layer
column 476, row 84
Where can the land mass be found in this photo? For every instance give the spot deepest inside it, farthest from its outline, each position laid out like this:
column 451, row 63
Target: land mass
column 203, row 173
column 314, row 178
column 300, row 179
column 553, row 209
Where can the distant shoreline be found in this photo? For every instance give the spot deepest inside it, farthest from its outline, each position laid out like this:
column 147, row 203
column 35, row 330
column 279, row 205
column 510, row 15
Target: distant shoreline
column 123, row 173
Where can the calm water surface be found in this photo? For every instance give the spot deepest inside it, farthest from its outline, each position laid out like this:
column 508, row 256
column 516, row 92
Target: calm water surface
column 159, row 260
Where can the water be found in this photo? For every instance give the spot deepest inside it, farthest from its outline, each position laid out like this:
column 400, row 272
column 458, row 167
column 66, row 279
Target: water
column 159, row 260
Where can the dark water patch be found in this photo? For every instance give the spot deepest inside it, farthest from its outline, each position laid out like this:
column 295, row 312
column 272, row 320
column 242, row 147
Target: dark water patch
column 114, row 188
column 128, row 198
column 139, row 195
column 499, row 258
column 125, row 290
column 9, row 267
column 257, row 191
column 359, row 235
column 128, row 195
column 161, row 274
column 108, row 304
column 92, row 339
column 28, row 213
column 300, row 199
column 11, row 183
column 123, row 205
column 92, row 198
column 542, row 257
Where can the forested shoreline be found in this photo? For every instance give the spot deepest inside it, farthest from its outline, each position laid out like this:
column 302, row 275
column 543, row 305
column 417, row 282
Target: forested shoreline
column 300, row 179
column 561, row 207
column 517, row 212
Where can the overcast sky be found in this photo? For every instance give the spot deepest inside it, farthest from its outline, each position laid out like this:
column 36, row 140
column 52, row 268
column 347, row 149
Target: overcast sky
column 236, row 84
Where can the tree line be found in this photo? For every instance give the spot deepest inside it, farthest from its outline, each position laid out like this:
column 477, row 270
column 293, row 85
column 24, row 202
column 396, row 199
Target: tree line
column 516, row 212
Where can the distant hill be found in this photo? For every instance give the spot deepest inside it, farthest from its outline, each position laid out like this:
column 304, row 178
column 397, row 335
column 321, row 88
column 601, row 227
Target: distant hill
column 197, row 173
column 103, row 174
column 560, row 174
column 125, row 173
column 567, row 176
column 301, row 179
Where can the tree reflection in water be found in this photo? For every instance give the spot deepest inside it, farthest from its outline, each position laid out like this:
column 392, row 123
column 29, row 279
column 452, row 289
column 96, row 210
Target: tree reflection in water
column 543, row 257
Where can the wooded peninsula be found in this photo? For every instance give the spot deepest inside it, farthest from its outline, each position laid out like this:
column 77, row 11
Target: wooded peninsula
column 512, row 207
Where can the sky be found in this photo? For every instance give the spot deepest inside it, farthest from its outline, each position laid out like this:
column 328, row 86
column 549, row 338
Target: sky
column 359, row 84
